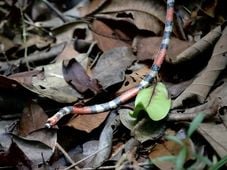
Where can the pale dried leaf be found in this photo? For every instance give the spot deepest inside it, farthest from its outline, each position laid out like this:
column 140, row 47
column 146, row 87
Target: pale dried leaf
column 201, row 86
column 215, row 134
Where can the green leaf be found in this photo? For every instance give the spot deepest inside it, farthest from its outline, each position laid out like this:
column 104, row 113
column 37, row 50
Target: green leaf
column 153, row 100
column 219, row 164
column 170, row 158
column 181, row 157
column 195, row 124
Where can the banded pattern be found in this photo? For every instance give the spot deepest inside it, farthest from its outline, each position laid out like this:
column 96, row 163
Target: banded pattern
column 131, row 92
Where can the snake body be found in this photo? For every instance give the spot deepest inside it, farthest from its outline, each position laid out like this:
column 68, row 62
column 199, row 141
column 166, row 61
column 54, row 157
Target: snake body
column 133, row 91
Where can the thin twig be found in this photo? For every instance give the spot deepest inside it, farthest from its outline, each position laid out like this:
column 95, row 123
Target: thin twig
column 65, row 153
column 114, row 166
column 24, row 35
column 87, row 157
column 58, row 13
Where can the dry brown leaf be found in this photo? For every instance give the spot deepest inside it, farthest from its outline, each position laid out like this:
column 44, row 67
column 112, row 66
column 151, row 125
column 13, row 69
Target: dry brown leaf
column 108, row 37
column 139, row 11
column 76, row 76
column 133, row 79
column 33, row 118
column 215, row 134
column 87, row 123
column 197, row 48
column 92, row 7
column 201, row 86
column 68, row 53
column 110, row 68
column 147, row 47
column 169, row 148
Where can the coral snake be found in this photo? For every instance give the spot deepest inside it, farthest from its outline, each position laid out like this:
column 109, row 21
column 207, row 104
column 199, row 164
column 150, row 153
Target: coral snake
column 133, row 91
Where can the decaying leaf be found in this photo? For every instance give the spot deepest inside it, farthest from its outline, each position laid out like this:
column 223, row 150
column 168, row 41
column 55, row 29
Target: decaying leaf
column 14, row 156
column 197, row 48
column 148, row 130
column 147, row 47
column 127, row 120
column 50, row 83
column 145, row 14
column 134, row 78
column 109, row 36
column 110, row 68
column 76, row 76
column 87, row 123
column 201, row 86
column 34, row 150
column 215, row 134
column 169, row 148
column 33, row 118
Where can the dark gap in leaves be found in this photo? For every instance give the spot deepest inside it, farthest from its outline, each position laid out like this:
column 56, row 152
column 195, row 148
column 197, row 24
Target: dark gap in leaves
column 124, row 15
column 126, row 83
column 79, row 33
column 185, row 70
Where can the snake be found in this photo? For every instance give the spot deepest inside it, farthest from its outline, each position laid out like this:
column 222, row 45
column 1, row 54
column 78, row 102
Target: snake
column 131, row 93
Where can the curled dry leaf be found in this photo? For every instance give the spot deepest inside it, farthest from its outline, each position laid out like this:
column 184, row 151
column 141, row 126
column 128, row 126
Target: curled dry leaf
column 106, row 139
column 197, row 48
column 201, row 86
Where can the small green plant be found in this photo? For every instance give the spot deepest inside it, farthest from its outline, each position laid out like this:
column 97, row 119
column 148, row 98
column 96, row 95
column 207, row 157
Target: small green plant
column 180, row 159
column 154, row 101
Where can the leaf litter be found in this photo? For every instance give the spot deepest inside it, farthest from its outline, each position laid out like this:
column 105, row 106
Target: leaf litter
column 89, row 47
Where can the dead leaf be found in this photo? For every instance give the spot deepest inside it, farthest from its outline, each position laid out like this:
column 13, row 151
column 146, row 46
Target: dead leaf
column 35, row 151
column 87, row 123
column 133, row 79
column 145, row 14
column 110, row 68
column 215, row 134
column 110, row 36
column 209, row 7
column 46, row 54
column 147, row 47
column 147, row 130
column 14, row 156
column 68, row 53
column 76, row 76
column 198, row 47
column 44, row 135
column 33, row 118
column 169, row 148
column 72, row 30
column 201, row 86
